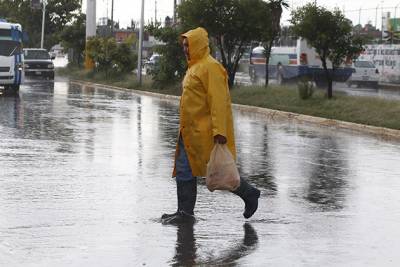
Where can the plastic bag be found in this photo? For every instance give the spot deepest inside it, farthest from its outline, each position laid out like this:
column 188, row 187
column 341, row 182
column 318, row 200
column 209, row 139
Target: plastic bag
column 222, row 173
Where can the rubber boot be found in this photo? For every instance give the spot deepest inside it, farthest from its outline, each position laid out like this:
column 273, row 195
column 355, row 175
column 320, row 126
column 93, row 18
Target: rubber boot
column 187, row 193
column 250, row 196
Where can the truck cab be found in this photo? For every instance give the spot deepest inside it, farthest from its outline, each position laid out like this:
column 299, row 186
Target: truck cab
column 38, row 63
column 11, row 57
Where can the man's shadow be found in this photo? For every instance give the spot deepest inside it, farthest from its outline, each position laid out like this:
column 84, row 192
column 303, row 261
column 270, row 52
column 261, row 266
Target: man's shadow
column 185, row 250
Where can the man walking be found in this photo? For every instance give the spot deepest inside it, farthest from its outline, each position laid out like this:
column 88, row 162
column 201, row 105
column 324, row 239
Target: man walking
column 205, row 119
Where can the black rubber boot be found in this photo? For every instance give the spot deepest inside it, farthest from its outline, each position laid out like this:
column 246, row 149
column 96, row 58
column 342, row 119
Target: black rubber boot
column 187, row 193
column 250, row 196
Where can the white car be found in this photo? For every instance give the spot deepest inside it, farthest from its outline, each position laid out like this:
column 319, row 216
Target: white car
column 364, row 74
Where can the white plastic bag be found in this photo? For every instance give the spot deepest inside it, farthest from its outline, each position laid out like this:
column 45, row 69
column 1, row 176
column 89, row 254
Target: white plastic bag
column 222, row 173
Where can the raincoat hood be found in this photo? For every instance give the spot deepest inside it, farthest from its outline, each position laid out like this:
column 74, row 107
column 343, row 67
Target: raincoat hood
column 198, row 44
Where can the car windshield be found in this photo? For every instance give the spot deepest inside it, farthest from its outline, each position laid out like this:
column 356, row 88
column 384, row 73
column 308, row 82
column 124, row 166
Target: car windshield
column 155, row 58
column 364, row 64
column 9, row 48
column 36, row 54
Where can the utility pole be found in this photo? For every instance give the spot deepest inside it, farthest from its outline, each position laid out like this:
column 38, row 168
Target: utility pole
column 359, row 17
column 139, row 66
column 112, row 18
column 90, row 28
column 376, row 17
column 44, row 3
column 174, row 11
column 382, row 22
column 155, row 11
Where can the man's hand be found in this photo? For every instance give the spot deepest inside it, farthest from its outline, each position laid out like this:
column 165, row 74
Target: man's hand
column 219, row 139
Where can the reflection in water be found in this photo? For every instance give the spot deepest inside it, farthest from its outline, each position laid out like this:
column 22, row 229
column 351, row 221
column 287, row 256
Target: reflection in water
column 328, row 176
column 185, row 250
column 254, row 159
column 12, row 113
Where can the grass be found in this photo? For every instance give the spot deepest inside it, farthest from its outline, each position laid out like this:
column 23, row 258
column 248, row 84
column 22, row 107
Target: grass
column 125, row 80
column 358, row 109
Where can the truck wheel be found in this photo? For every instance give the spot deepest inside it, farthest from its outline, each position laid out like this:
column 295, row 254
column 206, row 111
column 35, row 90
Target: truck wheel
column 348, row 84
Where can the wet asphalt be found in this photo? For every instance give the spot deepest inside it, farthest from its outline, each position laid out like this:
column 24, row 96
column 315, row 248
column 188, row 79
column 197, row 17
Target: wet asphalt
column 85, row 175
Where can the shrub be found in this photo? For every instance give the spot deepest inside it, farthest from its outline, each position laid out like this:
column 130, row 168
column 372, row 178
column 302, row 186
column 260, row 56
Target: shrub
column 109, row 57
column 305, row 88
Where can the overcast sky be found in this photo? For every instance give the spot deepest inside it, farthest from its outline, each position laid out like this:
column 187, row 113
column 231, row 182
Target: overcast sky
column 125, row 10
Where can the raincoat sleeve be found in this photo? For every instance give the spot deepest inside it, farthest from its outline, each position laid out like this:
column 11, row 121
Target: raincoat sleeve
column 217, row 96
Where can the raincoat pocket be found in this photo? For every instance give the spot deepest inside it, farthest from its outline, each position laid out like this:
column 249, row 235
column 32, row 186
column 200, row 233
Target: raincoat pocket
column 222, row 173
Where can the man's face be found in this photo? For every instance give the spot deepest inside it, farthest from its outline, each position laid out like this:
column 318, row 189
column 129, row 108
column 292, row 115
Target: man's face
column 185, row 44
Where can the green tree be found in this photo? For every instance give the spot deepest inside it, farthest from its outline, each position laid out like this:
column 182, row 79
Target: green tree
column 58, row 14
column 73, row 37
column 232, row 23
column 330, row 33
column 172, row 63
column 111, row 58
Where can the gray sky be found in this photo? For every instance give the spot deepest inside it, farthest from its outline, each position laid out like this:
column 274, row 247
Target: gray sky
column 125, row 10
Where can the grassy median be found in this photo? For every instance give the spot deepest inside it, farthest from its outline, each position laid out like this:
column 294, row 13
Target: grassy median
column 359, row 109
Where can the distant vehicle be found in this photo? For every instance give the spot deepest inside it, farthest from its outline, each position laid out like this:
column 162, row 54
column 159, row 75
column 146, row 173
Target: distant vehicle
column 152, row 63
column 11, row 57
column 38, row 63
column 365, row 74
column 386, row 58
column 290, row 63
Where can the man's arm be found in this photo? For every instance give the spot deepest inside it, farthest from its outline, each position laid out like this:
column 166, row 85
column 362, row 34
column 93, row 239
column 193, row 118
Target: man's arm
column 217, row 97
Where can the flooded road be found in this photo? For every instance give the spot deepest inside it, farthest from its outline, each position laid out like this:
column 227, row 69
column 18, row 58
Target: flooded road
column 85, row 175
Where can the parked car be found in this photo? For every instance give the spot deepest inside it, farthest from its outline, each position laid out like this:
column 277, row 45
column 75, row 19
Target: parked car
column 38, row 63
column 364, row 74
column 152, row 64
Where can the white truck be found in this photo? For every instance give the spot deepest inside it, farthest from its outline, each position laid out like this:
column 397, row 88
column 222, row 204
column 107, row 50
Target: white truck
column 11, row 57
column 291, row 63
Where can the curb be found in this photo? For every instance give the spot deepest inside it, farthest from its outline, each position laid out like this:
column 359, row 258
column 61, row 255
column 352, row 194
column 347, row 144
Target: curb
column 389, row 86
column 272, row 114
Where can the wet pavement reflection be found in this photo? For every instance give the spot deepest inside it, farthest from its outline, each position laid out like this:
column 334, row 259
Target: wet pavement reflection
column 85, row 175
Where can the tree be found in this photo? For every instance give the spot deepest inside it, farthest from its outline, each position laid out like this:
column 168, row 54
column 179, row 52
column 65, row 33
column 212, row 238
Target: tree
column 172, row 64
column 330, row 33
column 271, row 30
column 58, row 14
column 109, row 57
column 74, row 37
column 232, row 23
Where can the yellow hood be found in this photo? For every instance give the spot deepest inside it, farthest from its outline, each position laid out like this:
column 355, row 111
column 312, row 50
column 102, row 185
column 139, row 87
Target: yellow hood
column 198, row 44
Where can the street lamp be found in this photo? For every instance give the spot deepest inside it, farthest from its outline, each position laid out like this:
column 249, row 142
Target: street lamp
column 44, row 3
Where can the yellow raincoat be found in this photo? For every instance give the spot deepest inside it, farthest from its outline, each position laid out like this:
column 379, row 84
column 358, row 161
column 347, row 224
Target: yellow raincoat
column 205, row 105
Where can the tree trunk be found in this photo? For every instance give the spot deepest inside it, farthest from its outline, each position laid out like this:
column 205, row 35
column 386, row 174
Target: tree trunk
column 231, row 80
column 267, row 56
column 328, row 78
